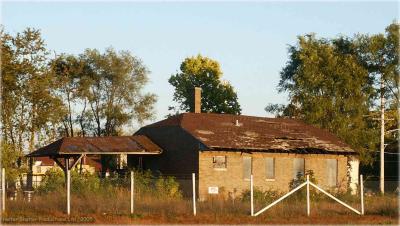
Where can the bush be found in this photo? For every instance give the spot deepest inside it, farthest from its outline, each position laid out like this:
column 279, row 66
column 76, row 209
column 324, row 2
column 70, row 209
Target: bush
column 300, row 178
column 160, row 186
column 143, row 180
column 167, row 187
column 266, row 196
column 53, row 180
column 85, row 182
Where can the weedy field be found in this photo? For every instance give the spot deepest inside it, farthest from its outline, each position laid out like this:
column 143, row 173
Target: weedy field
column 114, row 208
column 160, row 200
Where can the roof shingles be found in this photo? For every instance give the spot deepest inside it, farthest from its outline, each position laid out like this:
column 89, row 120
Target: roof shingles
column 97, row 145
column 255, row 133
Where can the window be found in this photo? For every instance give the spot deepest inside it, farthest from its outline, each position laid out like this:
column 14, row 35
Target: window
column 298, row 167
column 331, row 172
column 270, row 168
column 219, row 162
column 246, row 168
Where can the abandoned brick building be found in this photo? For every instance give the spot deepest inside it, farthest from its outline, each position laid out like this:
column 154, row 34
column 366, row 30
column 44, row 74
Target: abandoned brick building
column 224, row 150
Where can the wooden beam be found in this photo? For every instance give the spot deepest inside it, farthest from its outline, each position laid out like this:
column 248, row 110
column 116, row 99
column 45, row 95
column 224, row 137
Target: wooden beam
column 76, row 160
column 59, row 164
column 80, row 167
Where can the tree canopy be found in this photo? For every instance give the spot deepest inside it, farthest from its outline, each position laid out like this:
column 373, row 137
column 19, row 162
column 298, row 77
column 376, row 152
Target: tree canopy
column 30, row 108
column 332, row 83
column 218, row 96
column 106, row 87
column 44, row 97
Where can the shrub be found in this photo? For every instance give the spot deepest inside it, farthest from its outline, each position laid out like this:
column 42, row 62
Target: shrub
column 143, row 180
column 84, row 182
column 167, row 187
column 266, row 196
column 300, row 178
column 53, row 180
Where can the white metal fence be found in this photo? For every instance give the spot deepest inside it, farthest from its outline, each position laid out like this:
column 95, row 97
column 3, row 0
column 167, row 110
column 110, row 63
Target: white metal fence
column 307, row 183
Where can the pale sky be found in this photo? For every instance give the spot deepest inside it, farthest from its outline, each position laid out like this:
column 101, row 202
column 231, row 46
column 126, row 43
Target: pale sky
column 249, row 40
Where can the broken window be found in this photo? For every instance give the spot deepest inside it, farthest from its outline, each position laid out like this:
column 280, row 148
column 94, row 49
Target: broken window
column 298, row 167
column 331, row 172
column 270, row 168
column 246, row 168
column 219, row 162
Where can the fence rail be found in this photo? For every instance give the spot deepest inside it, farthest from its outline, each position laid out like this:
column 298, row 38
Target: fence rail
column 307, row 184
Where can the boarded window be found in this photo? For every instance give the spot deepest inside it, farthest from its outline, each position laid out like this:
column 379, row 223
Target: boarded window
column 331, row 172
column 270, row 168
column 246, row 168
column 298, row 167
column 219, row 162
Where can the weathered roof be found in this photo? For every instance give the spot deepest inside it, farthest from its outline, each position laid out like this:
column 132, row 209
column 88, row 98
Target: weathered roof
column 137, row 144
column 222, row 131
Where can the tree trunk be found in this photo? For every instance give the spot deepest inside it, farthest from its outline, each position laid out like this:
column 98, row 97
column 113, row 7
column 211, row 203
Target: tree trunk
column 382, row 146
column 70, row 116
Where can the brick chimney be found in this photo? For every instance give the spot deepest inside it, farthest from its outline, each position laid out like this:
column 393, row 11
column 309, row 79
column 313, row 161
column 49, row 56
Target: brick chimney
column 197, row 100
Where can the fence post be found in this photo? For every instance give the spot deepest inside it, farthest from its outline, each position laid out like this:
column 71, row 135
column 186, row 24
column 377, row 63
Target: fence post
column 132, row 190
column 3, row 189
column 308, row 195
column 251, row 196
column 68, row 186
column 362, row 194
column 194, row 193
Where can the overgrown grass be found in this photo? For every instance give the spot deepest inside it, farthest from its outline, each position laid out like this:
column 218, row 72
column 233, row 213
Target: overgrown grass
column 179, row 210
column 159, row 200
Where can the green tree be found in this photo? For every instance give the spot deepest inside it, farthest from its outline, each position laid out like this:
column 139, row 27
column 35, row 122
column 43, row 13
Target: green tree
column 114, row 91
column 11, row 161
column 30, row 108
column 379, row 54
column 218, row 96
column 334, row 84
column 69, row 71
column 330, row 89
column 102, row 91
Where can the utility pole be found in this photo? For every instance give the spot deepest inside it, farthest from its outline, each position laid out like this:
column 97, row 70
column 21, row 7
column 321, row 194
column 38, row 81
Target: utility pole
column 382, row 147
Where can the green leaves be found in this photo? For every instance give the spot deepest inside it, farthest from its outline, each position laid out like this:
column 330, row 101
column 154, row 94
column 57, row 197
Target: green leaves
column 218, row 96
column 43, row 98
column 109, row 87
column 332, row 84
column 30, row 108
column 328, row 88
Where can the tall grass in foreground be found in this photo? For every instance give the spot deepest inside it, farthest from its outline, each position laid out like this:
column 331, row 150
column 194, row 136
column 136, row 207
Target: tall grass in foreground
column 117, row 202
column 161, row 198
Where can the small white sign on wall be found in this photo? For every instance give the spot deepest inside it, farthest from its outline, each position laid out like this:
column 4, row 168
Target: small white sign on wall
column 212, row 190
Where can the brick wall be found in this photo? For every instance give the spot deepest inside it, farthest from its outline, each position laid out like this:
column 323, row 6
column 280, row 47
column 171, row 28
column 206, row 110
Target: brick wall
column 231, row 181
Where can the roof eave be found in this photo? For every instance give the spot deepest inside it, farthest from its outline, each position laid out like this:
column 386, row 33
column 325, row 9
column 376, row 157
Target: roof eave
column 33, row 154
column 297, row 150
